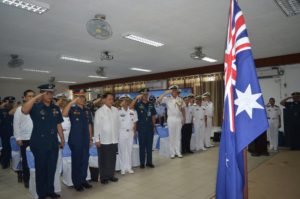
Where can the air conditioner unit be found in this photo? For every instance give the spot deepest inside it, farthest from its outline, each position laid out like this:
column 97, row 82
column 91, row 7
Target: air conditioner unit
column 269, row 73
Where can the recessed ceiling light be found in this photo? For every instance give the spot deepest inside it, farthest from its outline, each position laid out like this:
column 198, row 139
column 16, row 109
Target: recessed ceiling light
column 35, row 70
column 141, row 69
column 143, row 40
column 17, row 78
column 209, row 59
column 76, row 59
column 96, row 76
column 66, row 82
column 29, row 5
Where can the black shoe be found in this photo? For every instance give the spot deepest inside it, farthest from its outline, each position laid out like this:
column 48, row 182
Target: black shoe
column 79, row 188
column 87, row 185
column 190, row 152
column 104, row 181
column 53, row 195
column 150, row 165
column 42, row 197
column 142, row 166
column 114, row 179
column 26, row 185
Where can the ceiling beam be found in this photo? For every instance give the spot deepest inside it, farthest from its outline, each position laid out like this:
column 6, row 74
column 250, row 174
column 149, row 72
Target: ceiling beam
column 262, row 62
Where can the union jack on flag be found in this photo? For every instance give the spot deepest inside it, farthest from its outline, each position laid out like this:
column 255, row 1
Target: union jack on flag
column 244, row 111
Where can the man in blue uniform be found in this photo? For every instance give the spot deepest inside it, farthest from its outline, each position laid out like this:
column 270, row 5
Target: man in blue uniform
column 80, row 138
column 46, row 118
column 145, row 126
column 6, row 130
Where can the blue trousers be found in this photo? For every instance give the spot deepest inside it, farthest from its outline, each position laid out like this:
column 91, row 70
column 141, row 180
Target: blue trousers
column 145, row 137
column 45, row 166
column 80, row 161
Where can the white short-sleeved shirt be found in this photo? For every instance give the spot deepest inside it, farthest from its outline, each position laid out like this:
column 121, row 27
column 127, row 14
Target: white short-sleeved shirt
column 273, row 112
column 198, row 113
column 188, row 114
column 127, row 119
column 209, row 108
column 22, row 125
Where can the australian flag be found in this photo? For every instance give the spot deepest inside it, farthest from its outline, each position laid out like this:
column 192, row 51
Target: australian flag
column 244, row 111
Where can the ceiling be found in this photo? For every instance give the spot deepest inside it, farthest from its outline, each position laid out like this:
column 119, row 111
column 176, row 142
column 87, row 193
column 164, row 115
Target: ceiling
column 179, row 24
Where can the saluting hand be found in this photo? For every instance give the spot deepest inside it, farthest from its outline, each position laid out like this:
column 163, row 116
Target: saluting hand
column 39, row 96
column 139, row 96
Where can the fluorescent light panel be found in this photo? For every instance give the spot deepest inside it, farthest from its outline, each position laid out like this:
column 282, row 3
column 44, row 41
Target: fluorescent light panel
column 76, row 59
column 209, row 59
column 143, row 40
column 29, row 5
column 66, row 82
column 35, row 70
column 17, row 78
column 141, row 69
column 98, row 77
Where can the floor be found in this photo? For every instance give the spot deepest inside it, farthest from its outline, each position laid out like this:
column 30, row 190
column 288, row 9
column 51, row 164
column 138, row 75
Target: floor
column 193, row 176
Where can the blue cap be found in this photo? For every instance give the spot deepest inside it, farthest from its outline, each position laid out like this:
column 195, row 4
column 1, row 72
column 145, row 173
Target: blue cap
column 152, row 98
column 9, row 98
column 47, row 87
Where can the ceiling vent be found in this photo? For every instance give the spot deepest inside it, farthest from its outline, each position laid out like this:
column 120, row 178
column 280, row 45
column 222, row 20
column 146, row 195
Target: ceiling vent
column 289, row 7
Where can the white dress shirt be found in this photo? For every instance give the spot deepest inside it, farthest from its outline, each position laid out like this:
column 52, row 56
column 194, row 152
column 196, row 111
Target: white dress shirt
column 174, row 106
column 106, row 125
column 188, row 114
column 209, row 107
column 22, row 125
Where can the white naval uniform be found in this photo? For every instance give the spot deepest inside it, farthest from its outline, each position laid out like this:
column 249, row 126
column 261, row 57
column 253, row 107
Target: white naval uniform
column 273, row 114
column 209, row 110
column 174, row 121
column 127, row 120
column 198, row 113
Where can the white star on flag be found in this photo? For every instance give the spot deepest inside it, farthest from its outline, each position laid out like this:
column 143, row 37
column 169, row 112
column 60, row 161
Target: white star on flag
column 247, row 101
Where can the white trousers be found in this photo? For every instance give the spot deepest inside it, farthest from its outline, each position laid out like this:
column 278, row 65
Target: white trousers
column 174, row 127
column 199, row 129
column 125, row 150
column 208, row 130
column 273, row 133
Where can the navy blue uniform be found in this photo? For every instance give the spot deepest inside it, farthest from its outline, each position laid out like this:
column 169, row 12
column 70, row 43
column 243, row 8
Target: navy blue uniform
column 79, row 140
column 44, row 145
column 6, row 131
column 145, row 127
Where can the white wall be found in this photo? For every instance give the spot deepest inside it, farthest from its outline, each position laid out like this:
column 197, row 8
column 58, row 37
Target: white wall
column 281, row 87
column 17, row 87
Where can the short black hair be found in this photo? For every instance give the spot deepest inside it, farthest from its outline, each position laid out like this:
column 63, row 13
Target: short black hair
column 105, row 95
column 28, row 91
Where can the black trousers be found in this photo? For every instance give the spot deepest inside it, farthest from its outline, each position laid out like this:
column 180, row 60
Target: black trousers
column 6, row 151
column 107, row 155
column 186, row 134
column 45, row 166
column 25, row 168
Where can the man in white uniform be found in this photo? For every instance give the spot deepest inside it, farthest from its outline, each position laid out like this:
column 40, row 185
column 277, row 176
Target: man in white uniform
column 22, row 132
column 209, row 110
column 128, row 119
column 175, row 111
column 199, row 121
column 106, row 129
column 273, row 114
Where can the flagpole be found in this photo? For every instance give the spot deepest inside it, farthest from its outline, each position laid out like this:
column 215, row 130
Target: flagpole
column 245, row 151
